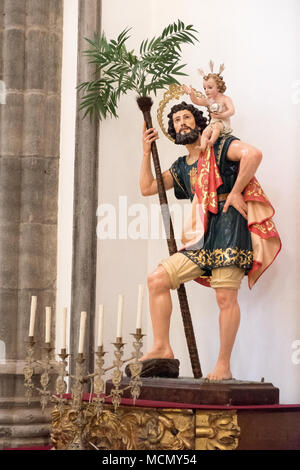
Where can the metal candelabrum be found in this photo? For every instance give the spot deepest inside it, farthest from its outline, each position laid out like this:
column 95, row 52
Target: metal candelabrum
column 49, row 365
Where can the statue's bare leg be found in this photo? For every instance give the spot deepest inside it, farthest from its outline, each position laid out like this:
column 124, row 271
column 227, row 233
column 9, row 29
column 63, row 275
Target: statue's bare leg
column 160, row 309
column 217, row 128
column 229, row 321
column 206, row 135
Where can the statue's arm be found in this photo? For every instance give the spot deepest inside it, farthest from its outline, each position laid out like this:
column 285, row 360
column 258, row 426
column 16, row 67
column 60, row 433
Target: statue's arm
column 201, row 101
column 249, row 158
column 148, row 184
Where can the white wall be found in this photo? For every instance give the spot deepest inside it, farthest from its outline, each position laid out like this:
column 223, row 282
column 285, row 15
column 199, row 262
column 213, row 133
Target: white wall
column 257, row 41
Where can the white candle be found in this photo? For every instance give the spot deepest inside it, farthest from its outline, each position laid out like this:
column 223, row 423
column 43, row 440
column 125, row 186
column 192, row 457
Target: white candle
column 82, row 332
column 100, row 326
column 120, row 316
column 65, row 314
column 48, row 325
column 139, row 307
column 32, row 315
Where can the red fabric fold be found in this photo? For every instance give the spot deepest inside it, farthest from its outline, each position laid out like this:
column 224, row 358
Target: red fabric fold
column 205, row 200
column 207, row 182
column 264, row 235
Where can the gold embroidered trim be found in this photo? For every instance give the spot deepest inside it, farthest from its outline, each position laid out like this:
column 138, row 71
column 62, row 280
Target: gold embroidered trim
column 193, row 178
column 265, row 228
column 254, row 189
column 173, row 173
column 218, row 156
column 220, row 257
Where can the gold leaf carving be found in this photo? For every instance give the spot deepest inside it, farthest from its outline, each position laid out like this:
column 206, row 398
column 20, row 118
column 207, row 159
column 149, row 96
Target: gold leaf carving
column 216, row 430
column 126, row 429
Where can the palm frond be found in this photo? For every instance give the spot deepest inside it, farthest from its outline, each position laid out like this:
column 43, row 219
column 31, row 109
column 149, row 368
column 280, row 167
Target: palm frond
column 118, row 70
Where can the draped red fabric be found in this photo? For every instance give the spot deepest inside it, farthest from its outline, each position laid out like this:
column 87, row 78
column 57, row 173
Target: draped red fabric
column 205, row 200
column 264, row 235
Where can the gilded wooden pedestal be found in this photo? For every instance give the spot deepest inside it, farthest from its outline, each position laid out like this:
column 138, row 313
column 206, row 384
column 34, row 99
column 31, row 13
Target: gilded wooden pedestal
column 137, row 428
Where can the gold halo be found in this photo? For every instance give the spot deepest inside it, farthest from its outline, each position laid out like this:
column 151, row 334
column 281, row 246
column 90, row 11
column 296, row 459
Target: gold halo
column 174, row 92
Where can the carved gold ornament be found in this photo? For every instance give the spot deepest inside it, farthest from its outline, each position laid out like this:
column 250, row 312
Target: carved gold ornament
column 174, row 92
column 216, row 430
column 139, row 428
column 128, row 428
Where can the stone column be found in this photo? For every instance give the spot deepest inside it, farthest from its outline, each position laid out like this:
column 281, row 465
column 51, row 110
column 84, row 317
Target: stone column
column 30, row 68
column 85, row 194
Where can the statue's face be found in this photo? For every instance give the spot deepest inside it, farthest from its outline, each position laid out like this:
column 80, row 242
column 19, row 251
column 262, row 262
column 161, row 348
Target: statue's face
column 185, row 128
column 211, row 88
column 183, row 121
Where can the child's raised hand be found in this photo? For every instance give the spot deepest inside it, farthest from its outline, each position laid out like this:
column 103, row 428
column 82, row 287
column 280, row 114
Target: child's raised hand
column 189, row 90
column 186, row 89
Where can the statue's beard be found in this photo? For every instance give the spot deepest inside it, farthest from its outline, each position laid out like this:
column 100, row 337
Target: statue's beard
column 187, row 137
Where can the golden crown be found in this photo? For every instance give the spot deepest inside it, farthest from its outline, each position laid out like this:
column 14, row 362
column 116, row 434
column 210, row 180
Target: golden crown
column 211, row 67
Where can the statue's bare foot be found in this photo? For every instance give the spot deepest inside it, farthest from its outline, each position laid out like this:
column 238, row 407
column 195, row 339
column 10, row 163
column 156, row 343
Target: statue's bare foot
column 221, row 372
column 158, row 354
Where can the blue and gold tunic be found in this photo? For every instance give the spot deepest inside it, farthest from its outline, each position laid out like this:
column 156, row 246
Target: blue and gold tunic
column 227, row 240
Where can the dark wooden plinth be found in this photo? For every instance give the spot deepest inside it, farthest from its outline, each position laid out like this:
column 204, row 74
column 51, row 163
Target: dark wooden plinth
column 201, row 392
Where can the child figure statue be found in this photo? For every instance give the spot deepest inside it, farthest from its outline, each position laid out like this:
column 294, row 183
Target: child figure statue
column 220, row 106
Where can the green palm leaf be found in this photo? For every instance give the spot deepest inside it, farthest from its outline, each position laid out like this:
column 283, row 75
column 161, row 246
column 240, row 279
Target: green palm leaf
column 118, row 70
